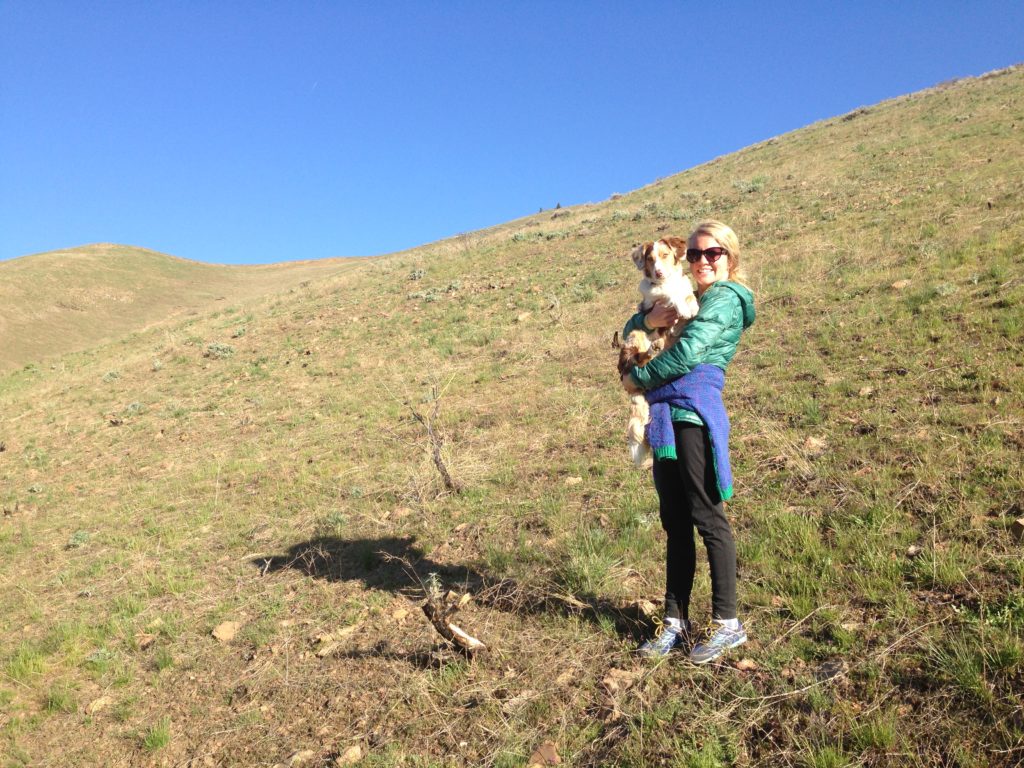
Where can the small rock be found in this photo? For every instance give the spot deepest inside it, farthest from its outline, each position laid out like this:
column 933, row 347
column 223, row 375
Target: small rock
column 545, row 754
column 327, row 649
column 226, row 631
column 565, row 678
column 523, row 317
column 865, row 391
column 745, row 665
column 1017, row 529
column 573, row 480
column 346, row 631
column 815, row 446
column 830, row 670
column 97, row 705
column 350, row 756
column 618, row 680
column 302, row 757
column 899, row 285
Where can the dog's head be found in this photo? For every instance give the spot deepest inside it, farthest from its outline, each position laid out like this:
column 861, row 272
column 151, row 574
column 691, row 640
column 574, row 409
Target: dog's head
column 660, row 259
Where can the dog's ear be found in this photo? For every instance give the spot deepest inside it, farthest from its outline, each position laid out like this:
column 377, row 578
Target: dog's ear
column 615, row 340
column 678, row 246
column 639, row 254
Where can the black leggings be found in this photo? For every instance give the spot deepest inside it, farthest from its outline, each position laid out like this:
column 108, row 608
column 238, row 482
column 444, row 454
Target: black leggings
column 688, row 497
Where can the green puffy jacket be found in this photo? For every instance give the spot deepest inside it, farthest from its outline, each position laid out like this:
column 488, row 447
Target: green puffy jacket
column 726, row 310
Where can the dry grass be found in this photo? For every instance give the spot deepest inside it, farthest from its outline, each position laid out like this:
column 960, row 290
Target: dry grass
column 152, row 490
column 78, row 298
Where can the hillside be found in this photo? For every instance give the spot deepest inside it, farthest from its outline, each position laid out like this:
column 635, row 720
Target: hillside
column 75, row 299
column 266, row 468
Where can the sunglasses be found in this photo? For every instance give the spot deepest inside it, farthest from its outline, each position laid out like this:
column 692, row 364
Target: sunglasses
column 711, row 254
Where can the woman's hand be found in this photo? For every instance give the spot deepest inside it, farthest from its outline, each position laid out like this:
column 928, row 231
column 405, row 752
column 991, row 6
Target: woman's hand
column 629, row 385
column 661, row 316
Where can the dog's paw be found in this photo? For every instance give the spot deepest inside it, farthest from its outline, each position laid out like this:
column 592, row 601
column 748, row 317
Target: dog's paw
column 640, row 453
column 689, row 308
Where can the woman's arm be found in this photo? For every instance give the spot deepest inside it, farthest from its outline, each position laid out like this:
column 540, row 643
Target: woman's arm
column 660, row 316
column 716, row 315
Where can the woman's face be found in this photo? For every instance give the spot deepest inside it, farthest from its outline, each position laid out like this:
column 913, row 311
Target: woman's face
column 706, row 274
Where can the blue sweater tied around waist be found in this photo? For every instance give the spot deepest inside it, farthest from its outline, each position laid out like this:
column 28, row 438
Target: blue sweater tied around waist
column 699, row 391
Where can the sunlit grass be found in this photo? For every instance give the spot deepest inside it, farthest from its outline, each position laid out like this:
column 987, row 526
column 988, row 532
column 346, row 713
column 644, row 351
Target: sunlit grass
column 876, row 441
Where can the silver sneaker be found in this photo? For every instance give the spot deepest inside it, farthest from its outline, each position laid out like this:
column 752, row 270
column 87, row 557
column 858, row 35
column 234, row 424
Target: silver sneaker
column 717, row 640
column 670, row 637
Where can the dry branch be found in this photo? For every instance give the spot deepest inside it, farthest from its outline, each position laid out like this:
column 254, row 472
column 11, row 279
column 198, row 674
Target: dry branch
column 439, row 613
column 439, row 609
column 435, row 438
column 436, row 443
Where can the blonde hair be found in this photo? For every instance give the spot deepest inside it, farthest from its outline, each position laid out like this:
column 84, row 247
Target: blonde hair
column 727, row 239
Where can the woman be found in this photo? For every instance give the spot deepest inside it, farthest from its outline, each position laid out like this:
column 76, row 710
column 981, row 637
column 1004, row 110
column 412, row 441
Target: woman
column 692, row 477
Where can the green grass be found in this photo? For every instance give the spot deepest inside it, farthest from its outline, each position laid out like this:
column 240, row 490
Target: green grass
column 157, row 736
column 60, row 699
column 28, row 660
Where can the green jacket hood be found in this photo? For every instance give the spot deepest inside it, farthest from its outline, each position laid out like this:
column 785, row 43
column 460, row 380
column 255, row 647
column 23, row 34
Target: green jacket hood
column 746, row 298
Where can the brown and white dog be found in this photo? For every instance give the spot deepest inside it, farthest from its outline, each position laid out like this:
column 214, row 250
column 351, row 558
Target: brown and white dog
column 665, row 280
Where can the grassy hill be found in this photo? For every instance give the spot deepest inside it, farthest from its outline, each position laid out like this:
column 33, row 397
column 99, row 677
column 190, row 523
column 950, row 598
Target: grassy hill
column 267, row 468
column 75, row 299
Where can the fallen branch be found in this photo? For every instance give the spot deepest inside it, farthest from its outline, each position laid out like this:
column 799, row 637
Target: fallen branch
column 439, row 609
column 439, row 613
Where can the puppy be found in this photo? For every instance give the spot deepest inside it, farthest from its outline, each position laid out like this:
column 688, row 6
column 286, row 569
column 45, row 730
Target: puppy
column 664, row 281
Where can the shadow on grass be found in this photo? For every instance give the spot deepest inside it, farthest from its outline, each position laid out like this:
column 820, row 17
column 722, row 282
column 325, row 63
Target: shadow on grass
column 396, row 564
column 390, row 563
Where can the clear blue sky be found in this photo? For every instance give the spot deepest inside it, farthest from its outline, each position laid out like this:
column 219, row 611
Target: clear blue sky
column 253, row 132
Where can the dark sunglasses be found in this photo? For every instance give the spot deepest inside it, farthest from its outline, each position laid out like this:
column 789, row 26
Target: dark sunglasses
column 711, row 254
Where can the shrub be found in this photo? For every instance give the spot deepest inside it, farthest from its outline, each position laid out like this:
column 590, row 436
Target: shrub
column 218, row 351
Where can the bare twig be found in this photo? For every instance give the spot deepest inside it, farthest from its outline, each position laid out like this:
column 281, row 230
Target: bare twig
column 436, row 441
column 434, row 436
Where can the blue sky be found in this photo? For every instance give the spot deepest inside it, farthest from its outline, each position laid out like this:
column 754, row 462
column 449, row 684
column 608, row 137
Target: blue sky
column 255, row 132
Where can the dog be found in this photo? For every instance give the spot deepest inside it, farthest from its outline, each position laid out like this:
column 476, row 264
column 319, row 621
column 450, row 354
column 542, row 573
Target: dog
column 664, row 281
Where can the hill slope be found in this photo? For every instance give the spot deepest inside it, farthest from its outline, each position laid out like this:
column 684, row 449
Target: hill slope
column 269, row 464
column 74, row 299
